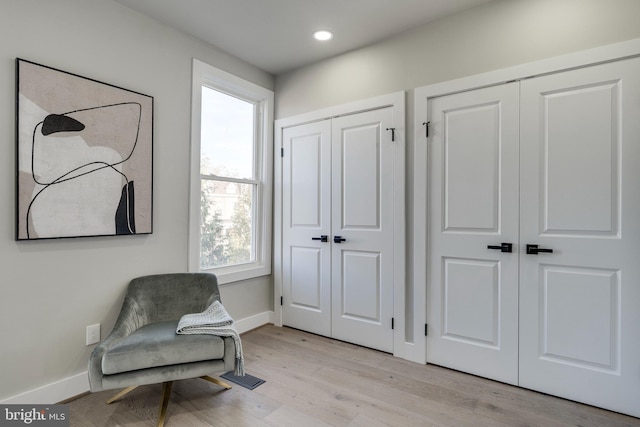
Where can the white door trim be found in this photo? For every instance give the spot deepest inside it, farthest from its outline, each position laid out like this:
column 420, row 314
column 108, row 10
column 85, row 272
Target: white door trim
column 566, row 62
column 395, row 100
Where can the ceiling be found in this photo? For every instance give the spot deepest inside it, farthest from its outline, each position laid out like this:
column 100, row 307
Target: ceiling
column 276, row 35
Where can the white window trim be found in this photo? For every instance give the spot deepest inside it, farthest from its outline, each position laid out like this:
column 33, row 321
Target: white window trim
column 204, row 74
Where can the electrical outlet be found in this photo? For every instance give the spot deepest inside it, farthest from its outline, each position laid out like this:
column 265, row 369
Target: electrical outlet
column 93, row 334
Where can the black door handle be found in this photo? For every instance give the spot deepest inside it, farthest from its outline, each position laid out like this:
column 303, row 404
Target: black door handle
column 323, row 238
column 535, row 250
column 504, row 247
column 338, row 239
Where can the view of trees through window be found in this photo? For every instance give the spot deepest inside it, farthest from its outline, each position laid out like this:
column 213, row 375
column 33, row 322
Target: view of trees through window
column 225, row 223
column 228, row 188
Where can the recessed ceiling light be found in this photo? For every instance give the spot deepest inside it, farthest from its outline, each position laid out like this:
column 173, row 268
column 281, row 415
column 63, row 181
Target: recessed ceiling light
column 323, row 35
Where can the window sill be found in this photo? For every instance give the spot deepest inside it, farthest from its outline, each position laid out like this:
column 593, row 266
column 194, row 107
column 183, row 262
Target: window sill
column 237, row 273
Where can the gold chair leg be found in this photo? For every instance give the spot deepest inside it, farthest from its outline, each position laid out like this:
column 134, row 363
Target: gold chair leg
column 166, row 393
column 122, row 393
column 216, row 381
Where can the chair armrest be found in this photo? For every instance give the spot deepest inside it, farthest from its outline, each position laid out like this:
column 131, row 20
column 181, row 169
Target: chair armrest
column 130, row 319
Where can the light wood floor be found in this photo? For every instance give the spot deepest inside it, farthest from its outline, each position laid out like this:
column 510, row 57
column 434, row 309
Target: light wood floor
column 317, row 381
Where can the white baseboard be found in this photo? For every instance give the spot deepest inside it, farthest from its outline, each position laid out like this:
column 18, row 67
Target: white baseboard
column 77, row 384
column 52, row 393
column 255, row 321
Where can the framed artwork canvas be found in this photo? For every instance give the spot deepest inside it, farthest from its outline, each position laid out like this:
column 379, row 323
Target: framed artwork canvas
column 84, row 156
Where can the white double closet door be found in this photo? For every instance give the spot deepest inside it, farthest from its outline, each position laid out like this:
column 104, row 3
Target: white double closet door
column 552, row 161
column 338, row 257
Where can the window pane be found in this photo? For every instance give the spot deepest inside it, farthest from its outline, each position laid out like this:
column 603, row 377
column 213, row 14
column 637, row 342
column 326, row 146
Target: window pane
column 227, row 135
column 226, row 226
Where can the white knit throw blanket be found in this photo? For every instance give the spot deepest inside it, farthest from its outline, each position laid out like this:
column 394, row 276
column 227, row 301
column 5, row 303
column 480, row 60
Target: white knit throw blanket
column 215, row 321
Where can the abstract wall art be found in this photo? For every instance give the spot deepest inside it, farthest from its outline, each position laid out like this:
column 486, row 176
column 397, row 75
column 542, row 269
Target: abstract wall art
column 84, row 156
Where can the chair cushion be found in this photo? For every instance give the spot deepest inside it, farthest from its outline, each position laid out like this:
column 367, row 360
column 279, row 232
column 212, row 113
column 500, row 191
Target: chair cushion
column 157, row 344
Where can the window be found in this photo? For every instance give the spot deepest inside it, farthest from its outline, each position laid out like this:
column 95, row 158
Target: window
column 231, row 145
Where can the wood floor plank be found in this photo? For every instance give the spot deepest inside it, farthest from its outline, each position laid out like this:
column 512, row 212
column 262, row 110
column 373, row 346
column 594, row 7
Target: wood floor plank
column 317, row 381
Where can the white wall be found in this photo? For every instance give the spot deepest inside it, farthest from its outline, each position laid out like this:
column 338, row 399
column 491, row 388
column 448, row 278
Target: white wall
column 489, row 37
column 50, row 290
column 493, row 36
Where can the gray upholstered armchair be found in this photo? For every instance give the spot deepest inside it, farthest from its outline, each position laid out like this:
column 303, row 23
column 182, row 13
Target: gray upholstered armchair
column 143, row 347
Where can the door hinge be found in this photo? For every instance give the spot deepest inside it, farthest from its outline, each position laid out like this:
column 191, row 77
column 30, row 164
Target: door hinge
column 426, row 125
column 281, row 300
column 392, row 325
column 281, row 152
column 426, row 331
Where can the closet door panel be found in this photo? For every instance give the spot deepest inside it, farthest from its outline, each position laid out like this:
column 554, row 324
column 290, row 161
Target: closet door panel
column 580, row 157
column 580, row 168
column 473, row 205
column 361, row 177
column 363, row 263
column 307, row 216
column 480, row 160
